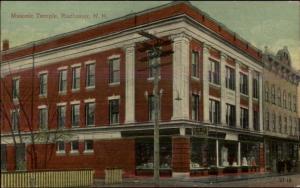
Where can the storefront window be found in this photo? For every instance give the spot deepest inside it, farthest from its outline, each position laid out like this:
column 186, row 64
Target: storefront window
column 228, row 153
column 144, row 153
column 203, row 153
column 249, row 154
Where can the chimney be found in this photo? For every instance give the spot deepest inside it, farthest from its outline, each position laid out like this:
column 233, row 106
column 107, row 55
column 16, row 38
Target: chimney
column 5, row 44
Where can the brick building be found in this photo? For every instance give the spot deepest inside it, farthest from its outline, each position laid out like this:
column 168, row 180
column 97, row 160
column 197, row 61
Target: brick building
column 83, row 99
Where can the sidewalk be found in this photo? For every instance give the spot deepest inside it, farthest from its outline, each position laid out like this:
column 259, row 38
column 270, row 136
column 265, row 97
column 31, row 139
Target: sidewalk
column 187, row 181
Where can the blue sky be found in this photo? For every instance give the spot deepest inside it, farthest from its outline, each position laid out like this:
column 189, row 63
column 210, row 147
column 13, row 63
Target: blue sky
column 272, row 24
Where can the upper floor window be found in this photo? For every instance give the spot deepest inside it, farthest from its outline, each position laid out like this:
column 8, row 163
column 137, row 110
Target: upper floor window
column 152, row 64
column 88, row 145
column 43, row 83
column 291, row 125
column 151, row 107
column 74, row 146
column 195, row 107
column 267, row 91
column 244, row 118
column 75, row 112
column 43, row 118
column 284, row 100
column 273, row 98
column 295, row 103
column 214, row 111
column 60, row 146
column 114, row 70
column 76, row 78
column 114, row 111
column 195, row 64
column 255, row 120
column 285, row 125
column 290, row 102
column 230, row 78
column 279, row 97
column 62, row 81
column 244, row 83
column 15, row 119
column 214, row 72
column 255, row 85
column 61, row 116
column 230, row 115
column 274, row 121
column 90, row 75
column 90, row 114
column 280, row 124
column 15, row 88
column 267, row 120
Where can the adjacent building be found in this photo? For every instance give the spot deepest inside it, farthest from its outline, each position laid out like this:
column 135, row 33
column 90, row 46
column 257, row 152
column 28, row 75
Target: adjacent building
column 84, row 99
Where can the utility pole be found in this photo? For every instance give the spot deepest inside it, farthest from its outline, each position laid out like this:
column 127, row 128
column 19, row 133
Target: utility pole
column 155, row 53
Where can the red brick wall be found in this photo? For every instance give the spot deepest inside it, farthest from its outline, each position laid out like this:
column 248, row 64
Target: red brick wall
column 244, row 101
column 107, row 154
column 142, row 85
column 181, row 154
column 216, row 92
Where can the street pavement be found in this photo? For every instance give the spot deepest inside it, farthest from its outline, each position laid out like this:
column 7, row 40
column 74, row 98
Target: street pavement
column 252, row 180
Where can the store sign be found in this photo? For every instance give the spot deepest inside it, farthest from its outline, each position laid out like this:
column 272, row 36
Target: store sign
column 230, row 136
column 200, row 131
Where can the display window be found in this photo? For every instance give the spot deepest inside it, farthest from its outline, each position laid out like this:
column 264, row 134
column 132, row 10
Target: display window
column 203, row 153
column 228, row 153
column 249, row 154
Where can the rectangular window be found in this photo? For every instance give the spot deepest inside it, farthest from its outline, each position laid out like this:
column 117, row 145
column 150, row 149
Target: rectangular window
column 114, row 111
column 114, row 70
column 279, row 97
column 61, row 116
column 280, row 124
column 290, row 102
column 244, row 84
column 256, row 85
column 284, row 99
column 230, row 80
column 75, row 115
column 214, row 72
column 273, row 97
column 60, row 147
column 88, row 145
column 267, row 92
column 43, row 118
column 268, row 121
column 43, row 84
column 214, row 111
column 74, row 146
column 274, row 122
column 295, row 104
column 230, row 115
column 255, row 120
column 90, row 114
column 195, row 64
column 244, row 118
column 285, row 125
column 16, row 88
column 76, row 78
column 151, row 107
column 90, row 75
column 63, row 81
column 15, row 120
column 195, row 107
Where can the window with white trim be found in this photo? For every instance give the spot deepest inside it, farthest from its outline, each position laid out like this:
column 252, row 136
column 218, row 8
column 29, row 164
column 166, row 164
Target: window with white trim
column 61, row 116
column 75, row 112
column 90, row 113
column 60, row 147
column 279, row 96
column 43, row 118
column 267, row 120
column 290, row 101
column 284, row 100
column 214, row 72
column 114, row 111
column 230, row 115
column 114, row 70
column 267, row 92
column 285, row 125
column 274, row 122
column 74, row 146
column 280, row 123
column 195, row 64
column 15, row 88
column 230, row 78
column 15, row 119
column 90, row 75
column 255, row 85
column 273, row 97
column 243, row 83
column 88, row 145
column 295, row 103
column 195, row 107
column 62, row 81
column 43, row 84
column 214, row 111
column 244, row 118
column 256, row 120
column 75, row 78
